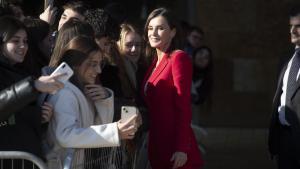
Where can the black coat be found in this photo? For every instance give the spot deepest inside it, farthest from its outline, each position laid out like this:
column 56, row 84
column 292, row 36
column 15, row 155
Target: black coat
column 20, row 118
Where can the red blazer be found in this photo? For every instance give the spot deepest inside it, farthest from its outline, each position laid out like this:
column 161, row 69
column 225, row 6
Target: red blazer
column 167, row 95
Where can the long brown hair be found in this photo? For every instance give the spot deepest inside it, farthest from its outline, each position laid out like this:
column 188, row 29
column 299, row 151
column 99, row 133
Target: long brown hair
column 76, row 52
column 69, row 30
column 177, row 41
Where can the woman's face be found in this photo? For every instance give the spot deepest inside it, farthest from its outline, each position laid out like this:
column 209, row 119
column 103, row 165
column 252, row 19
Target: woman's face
column 133, row 46
column 90, row 68
column 160, row 34
column 105, row 44
column 202, row 58
column 67, row 15
column 16, row 47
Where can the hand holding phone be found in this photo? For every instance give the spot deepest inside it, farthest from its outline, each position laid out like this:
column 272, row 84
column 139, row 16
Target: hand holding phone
column 65, row 69
column 127, row 125
column 49, row 13
column 127, row 112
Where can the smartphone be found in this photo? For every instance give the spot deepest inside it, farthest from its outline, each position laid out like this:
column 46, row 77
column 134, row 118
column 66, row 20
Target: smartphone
column 63, row 68
column 47, row 3
column 53, row 3
column 127, row 112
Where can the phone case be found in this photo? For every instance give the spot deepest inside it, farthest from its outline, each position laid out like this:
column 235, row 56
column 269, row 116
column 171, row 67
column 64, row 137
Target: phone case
column 61, row 69
column 127, row 112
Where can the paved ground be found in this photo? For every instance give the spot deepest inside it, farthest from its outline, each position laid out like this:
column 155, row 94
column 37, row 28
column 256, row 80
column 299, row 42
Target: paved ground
column 236, row 148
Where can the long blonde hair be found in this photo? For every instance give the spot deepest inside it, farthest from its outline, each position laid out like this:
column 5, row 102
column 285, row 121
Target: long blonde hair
column 127, row 28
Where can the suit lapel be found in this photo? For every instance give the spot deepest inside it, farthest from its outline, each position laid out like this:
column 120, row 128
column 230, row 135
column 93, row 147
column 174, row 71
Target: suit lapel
column 279, row 84
column 296, row 88
column 163, row 63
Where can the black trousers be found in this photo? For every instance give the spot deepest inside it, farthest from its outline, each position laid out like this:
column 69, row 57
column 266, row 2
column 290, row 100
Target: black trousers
column 287, row 158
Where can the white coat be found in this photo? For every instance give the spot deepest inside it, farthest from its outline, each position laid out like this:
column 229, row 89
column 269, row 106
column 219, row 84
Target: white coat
column 75, row 124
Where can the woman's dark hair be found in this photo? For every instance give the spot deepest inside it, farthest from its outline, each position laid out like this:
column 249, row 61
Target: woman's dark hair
column 206, row 74
column 37, row 31
column 69, row 30
column 76, row 52
column 103, row 24
column 294, row 10
column 9, row 26
column 78, row 6
column 177, row 41
column 202, row 72
column 117, row 11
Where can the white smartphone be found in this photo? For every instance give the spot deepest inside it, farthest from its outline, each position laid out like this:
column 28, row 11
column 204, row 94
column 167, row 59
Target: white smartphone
column 63, row 68
column 127, row 112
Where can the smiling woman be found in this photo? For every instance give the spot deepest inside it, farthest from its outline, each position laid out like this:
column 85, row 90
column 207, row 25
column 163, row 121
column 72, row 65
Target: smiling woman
column 83, row 110
column 16, row 47
column 167, row 87
column 21, row 124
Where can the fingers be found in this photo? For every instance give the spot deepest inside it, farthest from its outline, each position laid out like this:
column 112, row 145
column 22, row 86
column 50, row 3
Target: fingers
column 48, row 8
column 176, row 162
column 96, row 92
column 129, row 121
column 53, row 12
column 58, row 75
column 48, row 84
column 47, row 108
column 57, row 83
column 127, row 130
column 51, row 2
column 47, row 112
column 92, row 85
column 179, row 158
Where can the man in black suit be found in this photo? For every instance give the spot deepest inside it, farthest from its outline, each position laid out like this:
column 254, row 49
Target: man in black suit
column 284, row 134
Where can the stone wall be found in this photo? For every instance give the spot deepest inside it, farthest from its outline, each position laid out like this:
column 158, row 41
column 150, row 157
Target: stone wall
column 248, row 38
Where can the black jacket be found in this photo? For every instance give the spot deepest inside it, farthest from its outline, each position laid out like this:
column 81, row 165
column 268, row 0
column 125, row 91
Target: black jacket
column 285, row 139
column 20, row 118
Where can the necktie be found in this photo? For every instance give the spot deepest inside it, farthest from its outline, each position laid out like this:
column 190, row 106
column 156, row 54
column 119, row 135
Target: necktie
column 292, row 78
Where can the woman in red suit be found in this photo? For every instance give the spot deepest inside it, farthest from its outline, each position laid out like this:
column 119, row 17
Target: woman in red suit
column 167, row 87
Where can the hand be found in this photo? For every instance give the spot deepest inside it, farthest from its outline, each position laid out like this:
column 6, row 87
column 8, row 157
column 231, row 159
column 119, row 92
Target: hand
column 48, row 84
column 49, row 14
column 179, row 158
column 47, row 112
column 95, row 92
column 127, row 128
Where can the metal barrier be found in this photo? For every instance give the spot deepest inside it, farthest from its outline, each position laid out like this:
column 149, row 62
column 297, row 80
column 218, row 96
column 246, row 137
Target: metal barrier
column 18, row 160
column 100, row 158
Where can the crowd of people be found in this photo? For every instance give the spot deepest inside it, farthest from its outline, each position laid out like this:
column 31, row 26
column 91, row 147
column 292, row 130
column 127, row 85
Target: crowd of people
column 115, row 64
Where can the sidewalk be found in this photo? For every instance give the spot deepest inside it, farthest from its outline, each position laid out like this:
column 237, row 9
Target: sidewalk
column 237, row 148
